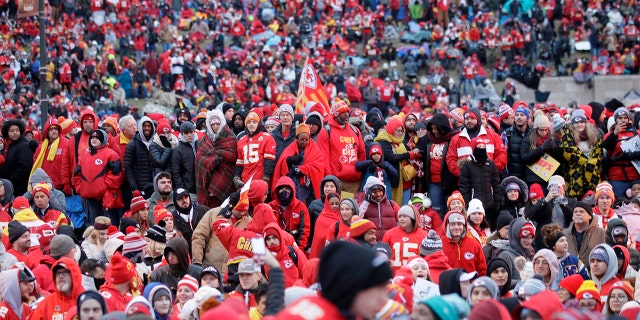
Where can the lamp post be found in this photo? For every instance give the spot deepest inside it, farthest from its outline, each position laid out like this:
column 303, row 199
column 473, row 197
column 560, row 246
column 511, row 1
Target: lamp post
column 44, row 96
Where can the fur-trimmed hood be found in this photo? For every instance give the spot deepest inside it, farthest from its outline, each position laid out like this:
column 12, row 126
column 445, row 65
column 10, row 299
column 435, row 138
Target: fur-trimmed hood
column 218, row 114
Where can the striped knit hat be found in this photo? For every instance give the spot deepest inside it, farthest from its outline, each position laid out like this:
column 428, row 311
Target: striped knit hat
column 190, row 282
column 138, row 202
column 605, row 188
column 113, row 232
column 360, row 227
column 133, row 242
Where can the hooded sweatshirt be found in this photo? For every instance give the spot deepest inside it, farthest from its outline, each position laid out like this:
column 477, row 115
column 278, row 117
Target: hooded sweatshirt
column 327, row 219
column 283, row 253
column 510, row 252
column 606, row 281
column 383, row 214
column 58, row 148
column 12, row 305
column 57, row 198
column 294, row 217
column 466, row 253
column 57, row 304
column 496, row 263
column 171, row 274
column 77, row 150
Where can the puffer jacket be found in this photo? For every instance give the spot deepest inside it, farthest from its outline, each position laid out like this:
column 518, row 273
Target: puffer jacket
column 515, row 208
column 383, row 214
column 482, row 181
column 18, row 162
column 98, row 175
column 137, row 159
column 161, row 155
column 634, row 255
column 77, row 147
column 183, row 160
column 515, row 139
column 282, row 142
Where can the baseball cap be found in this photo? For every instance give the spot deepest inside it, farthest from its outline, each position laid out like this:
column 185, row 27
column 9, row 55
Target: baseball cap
column 248, row 266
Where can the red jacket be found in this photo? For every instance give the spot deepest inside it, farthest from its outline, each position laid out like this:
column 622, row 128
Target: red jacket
column 621, row 170
column 438, row 263
column 311, row 307
column 294, row 218
column 460, row 147
column 429, row 220
column 467, row 254
column 44, row 277
column 98, row 174
column 343, row 147
column 112, row 297
column 69, row 160
column 238, row 241
column 56, row 305
column 292, row 271
column 53, row 168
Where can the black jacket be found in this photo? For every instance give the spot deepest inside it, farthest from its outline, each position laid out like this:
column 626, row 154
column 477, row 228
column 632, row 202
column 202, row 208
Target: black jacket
column 160, row 158
column 482, row 181
column 540, row 213
column 17, row 165
column 185, row 227
column 183, row 160
column 530, row 157
column 281, row 142
column 137, row 164
column 515, row 138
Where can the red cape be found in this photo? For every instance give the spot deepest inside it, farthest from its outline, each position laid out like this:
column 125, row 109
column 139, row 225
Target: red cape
column 312, row 165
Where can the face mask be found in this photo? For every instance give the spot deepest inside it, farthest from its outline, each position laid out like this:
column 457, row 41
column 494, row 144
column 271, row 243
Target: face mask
column 284, row 197
column 98, row 282
column 480, row 155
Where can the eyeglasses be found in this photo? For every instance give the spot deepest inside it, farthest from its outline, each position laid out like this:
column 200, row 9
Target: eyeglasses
column 588, row 304
column 62, row 273
column 622, row 297
column 400, row 129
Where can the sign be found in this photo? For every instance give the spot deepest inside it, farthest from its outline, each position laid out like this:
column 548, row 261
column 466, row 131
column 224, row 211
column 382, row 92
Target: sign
column 545, row 167
column 632, row 145
column 27, row 8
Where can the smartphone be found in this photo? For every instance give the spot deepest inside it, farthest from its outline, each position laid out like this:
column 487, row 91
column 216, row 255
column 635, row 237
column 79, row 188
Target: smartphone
column 258, row 246
column 553, row 188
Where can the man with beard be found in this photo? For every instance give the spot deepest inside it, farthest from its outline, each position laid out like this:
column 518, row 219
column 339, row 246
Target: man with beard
column 77, row 147
column 137, row 157
column 187, row 215
column 410, row 130
column 460, row 145
column 515, row 134
column 182, row 115
column 363, row 232
column 237, row 122
column 162, row 193
column 68, row 279
column 177, row 255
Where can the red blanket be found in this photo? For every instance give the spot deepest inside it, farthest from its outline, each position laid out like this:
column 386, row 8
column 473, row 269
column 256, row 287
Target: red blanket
column 312, row 164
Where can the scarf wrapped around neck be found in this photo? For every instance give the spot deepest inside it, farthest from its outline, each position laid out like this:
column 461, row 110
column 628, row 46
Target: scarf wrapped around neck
column 51, row 154
column 398, row 148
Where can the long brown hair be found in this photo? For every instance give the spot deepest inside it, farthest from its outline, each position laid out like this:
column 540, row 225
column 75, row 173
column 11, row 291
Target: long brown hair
column 592, row 134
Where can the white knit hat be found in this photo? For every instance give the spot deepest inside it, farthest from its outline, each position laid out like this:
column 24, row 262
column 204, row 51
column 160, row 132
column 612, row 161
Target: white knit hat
column 475, row 205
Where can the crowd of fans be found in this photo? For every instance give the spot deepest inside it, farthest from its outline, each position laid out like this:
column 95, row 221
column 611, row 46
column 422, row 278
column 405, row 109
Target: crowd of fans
column 418, row 192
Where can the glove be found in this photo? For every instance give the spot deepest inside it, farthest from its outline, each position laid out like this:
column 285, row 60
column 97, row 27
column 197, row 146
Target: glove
column 414, row 155
column 296, row 171
column 237, row 182
column 372, row 167
column 547, row 145
column 295, row 159
column 218, row 161
column 225, row 213
column 67, row 190
column 165, row 142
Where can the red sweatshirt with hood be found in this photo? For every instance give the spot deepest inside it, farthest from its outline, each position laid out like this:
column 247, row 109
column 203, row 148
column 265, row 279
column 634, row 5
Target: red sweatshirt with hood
column 69, row 160
column 466, row 254
column 343, row 147
column 293, row 218
column 53, row 167
column 56, row 305
column 12, row 307
column 292, row 271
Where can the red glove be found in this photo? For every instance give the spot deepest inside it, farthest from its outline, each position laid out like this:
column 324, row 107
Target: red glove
column 414, row 156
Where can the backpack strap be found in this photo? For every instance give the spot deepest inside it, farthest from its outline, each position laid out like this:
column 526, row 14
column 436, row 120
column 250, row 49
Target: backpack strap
column 293, row 255
column 335, row 235
column 77, row 143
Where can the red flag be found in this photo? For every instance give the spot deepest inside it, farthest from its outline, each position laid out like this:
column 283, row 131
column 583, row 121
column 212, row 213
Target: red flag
column 310, row 89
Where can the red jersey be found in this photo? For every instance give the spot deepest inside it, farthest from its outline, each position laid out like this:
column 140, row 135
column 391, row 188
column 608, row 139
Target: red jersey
column 403, row 245
column 252, row 151
column 386, row 93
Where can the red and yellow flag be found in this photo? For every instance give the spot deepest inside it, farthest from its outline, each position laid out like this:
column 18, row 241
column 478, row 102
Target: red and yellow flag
column 310, row 89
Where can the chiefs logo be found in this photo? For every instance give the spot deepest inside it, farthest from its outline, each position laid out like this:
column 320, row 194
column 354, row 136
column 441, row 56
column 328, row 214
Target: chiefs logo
column 288, row 264
column 469, row 255
column 405, row 239
column 98, row 162
column 310, row 79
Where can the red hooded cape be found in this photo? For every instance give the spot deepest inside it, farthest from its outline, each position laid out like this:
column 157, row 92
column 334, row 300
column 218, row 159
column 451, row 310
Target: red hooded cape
column 313, row 164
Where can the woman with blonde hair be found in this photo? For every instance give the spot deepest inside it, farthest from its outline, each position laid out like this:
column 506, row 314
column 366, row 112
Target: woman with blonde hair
column 582, row 149
column 139, row 212
column 539, row 141
column 95, row 236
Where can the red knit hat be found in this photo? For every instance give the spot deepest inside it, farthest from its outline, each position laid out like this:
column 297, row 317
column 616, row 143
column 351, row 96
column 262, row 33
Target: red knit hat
column 393, row 124
column 475, row 142
column 164, row 127
column 190, row 282
column 375, row 149
column 603, row 188
column 41, row 187
column 20, row 203
column 588, row 290
column 535, row 192
column 133, row 241
column 159, row 213
column 113, row 232
column 572, row 283
column 138, row 202
column 122, row 270
column 360, row 227
column 624, row 286
column 527, row 229
column 338, row 107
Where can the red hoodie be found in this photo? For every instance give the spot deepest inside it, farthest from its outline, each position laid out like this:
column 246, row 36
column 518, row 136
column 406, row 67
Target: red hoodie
column 292, row 271
column 294, row 218
column 53, row 167
column 438, row 263
column 69, row 160
column 467, row 254
column 343, row 147
column 56, row 305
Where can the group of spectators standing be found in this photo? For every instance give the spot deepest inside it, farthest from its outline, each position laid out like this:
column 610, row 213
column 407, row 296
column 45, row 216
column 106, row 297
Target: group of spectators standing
column 402, row 200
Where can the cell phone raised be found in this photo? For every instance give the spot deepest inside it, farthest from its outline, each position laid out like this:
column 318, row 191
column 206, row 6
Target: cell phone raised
column 258, row 246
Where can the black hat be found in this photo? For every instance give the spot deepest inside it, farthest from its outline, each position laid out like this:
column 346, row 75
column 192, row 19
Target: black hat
column 101, row 135
column 187, row 126
column 26, row 275
column 314, row 119
column 612, row 105
column 347, row 269
column 16, row 230
column 180, row 192
column 587, row 207
column 504, row 219
column 128, row 222
column 156, row 233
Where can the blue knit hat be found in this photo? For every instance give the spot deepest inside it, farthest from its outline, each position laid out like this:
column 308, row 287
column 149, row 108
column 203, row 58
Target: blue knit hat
column 524, row 110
